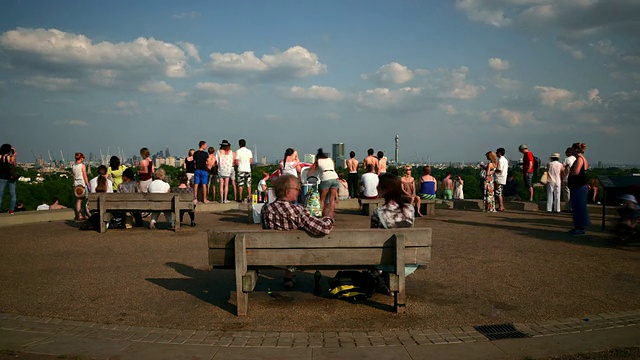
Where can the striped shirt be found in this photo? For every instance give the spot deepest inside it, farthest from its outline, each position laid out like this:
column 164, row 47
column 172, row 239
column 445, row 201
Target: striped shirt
column 283, row 215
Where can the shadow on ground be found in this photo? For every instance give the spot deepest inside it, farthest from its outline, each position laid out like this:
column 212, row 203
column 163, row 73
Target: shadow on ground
column 217, row 286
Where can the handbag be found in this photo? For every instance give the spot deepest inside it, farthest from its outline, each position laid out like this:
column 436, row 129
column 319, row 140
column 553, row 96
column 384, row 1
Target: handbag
column 544, row 179
column 80, row 191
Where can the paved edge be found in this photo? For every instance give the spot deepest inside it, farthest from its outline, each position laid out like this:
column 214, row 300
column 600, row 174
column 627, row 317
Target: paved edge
column 326, row 339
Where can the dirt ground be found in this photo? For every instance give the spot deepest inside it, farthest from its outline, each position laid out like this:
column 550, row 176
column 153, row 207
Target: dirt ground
column 487, row 268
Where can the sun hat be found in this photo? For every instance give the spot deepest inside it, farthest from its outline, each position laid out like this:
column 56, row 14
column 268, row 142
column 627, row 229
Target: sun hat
column 225, row 143
column 628, row 197
column 80, row 191
column 555, row 155
column 522, row 147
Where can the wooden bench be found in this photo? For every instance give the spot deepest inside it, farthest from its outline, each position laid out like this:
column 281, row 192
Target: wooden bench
column 368, row 205
column 428, row 207
column 103, row 203
column 249, row 250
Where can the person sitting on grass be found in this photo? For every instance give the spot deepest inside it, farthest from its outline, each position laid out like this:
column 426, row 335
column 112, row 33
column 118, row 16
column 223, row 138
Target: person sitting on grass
column 56, row 205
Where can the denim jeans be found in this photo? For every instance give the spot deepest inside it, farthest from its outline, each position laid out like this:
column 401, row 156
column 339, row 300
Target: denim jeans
column 12, row 192
column 579, row 206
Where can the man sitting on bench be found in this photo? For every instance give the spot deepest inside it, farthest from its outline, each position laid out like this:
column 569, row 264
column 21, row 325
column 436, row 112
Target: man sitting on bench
column 283, row 214
column 369, row 183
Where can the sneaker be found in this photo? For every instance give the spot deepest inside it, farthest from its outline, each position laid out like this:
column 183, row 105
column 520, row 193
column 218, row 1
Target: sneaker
column 578, row 232
column 11, row 212
column 152, row 225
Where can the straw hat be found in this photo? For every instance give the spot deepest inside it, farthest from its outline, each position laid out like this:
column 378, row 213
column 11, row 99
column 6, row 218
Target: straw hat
column 555, row 155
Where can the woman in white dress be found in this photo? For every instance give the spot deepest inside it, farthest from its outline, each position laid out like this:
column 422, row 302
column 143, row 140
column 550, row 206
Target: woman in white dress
column 80, row 178
column 225, row 159
column 458, row 192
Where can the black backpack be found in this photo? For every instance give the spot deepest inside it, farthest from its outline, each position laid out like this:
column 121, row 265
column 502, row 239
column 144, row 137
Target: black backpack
column 353, row 285
column 537, row 163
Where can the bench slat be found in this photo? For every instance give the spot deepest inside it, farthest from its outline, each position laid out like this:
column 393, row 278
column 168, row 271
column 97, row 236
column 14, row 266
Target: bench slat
column 308, row 257
column 359, row 238
column 141, row 205
column 118, row 197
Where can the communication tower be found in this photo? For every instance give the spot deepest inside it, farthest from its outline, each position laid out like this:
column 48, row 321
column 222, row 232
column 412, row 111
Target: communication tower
column 397, row 141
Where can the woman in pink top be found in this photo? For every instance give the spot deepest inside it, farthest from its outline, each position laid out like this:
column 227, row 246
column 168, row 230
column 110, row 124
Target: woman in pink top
column 146, row 171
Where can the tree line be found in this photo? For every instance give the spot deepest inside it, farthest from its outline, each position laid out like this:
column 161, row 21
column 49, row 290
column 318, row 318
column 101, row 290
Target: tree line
column 56, row 185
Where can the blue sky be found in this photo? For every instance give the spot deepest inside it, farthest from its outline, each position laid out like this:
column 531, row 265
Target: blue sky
column 453, row 79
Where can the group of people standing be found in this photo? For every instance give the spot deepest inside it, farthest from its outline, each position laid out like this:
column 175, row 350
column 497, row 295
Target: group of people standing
column 205, row 167
column 568, row 177
column 495, row 179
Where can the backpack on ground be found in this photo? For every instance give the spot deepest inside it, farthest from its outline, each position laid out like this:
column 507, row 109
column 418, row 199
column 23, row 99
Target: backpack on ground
column 353, row 285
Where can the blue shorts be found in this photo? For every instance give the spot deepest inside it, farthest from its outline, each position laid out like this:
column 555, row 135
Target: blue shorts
column 329, row 184
column 200, row 177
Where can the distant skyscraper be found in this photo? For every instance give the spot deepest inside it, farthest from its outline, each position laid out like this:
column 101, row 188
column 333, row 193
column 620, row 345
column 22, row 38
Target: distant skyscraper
column 338, row 154
column 166, row 152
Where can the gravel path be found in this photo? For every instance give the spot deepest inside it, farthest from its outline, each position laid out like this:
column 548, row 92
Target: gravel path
column 486, row 269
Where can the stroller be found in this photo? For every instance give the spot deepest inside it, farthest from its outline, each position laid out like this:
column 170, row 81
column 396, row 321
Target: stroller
column 311, row 196
column 628, row 226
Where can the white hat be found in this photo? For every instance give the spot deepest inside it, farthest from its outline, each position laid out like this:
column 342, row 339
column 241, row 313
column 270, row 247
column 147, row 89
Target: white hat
column 628, row 197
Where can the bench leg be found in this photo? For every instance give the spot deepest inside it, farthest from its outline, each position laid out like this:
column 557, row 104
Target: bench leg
column 242, row 297
column 399, row 296
column 176, row 213
column 102, row 208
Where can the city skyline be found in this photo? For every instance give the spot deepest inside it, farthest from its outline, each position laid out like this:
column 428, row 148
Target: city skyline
column 453, row 79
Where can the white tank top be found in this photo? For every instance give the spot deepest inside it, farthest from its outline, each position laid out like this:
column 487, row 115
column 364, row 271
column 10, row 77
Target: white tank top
column 78, row 179
column 326, row 170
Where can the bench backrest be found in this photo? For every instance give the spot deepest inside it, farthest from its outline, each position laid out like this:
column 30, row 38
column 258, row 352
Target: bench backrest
column 141, row 201
column 359, row 247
